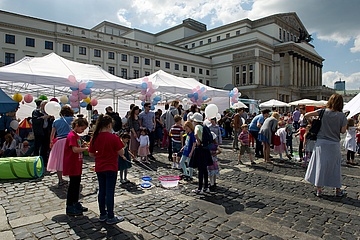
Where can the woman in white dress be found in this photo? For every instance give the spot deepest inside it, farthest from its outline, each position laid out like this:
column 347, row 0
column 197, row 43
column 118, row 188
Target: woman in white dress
column 350, row 141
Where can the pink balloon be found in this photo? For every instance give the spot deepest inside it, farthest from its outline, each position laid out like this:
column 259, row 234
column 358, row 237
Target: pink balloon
column 149, row 85
column 28, row 98
column 235, row 101
column 197, row 87
column 75, row 93
column 193, row 99
column 194, row 90
column 143, row 92
column 142, row 98
column 93, row 102
column 72, row 79
column 82, row 96
column 145, row 79
column 74, row 104
column 82, row 86
column 73, row 98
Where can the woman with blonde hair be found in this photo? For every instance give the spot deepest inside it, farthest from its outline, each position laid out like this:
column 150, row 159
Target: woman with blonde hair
column 266, row 132
column 187, row 150
column 324, row 168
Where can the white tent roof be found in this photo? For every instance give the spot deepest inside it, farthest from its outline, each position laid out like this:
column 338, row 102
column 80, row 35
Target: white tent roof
column 353, row 106
column 307, row 102
column 273, row 103
column 50, row 73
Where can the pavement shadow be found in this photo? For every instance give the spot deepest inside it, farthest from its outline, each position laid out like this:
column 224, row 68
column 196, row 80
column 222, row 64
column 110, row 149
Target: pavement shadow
column 91, row 228
column 60, row 191
column 132, row 188
column 344, row 200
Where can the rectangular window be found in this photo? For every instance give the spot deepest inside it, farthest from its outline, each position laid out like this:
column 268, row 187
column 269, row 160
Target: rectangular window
column 186, row 46
column 251, row 77
column 176, row 66
column 200, row 71
column 10, row 38
column 284, row 33
column 218, row 38
column 147, row 73
column 30, row 42
column 111, row 70
column 136, row 73
column 124, row 57
column 97, row 53
column 200, row 81
column 201, row 43
column 136, row 59
column 207, row 72
column 193, row 45
column 244, row 74
column 193, row 69
column 227, row 35
column 49, row 45
column 167, row 65
column 185, row 68
column 66, row 48
column 111, row 55
column 207, row 82
column 82, row 50
column 124, row 73
column 288, row 36
column 209, row 40
column 280, row 31
column 237, row 33
column 157, row 63
column 237, row 79
column 147, row 61
column 9, row 58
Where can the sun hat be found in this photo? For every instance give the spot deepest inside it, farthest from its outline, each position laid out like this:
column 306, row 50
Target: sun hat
column 197, row 117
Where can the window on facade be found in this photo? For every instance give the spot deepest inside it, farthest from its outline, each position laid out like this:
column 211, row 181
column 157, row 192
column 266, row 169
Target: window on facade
column 111, row 70
column 157, row 63
column 9, row 58
column 244, row 68
column 201, row 43
column 10, row 38
column 82, row 50
column 49, row 45
column 111, row 55
column 136, row 73
column 284, row 35
column 200, row 71
column 147, row 73
column 167, row 65
column 30, row 42
column 97, row 53
column 124, row 73
column 294, row 38
column 237, row 33
column 66, row 48
column 136, row 59
column 218, row 38
column 288, row 36
column 185, row 68
column 207, row 82
column 237, row 79
column 176, row 66
column 207, row 72
column 147, row 61
column 244, row 74
column 209, row 40
column 193, row 45
column 193, row 69
column 280, row 32
column 124, row 57
column 227, row 35
column 200, row 81
column 251, row 74
column 291, row 37
column 186, row 46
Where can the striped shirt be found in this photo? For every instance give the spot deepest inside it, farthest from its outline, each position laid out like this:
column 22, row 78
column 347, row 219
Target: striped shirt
column 175, row 133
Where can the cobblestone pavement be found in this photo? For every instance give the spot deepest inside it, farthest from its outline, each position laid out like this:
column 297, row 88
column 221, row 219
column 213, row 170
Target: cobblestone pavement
column 265, row 201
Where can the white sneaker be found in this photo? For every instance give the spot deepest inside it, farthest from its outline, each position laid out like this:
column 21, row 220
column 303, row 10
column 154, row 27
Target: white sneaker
column 173, row 166
column 178, row 166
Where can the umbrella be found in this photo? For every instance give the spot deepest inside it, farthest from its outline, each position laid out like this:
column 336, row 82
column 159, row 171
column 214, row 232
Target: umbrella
column 238, row 105
column 273, row 103
column 306, row 102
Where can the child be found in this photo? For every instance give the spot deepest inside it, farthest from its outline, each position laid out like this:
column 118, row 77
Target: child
column 9, row 146
column 309, row 146
column 125, row 163
column 144, row 141
column 350, row 141
column 25, row 147
column 301, row 133
column 358, row 141
column 280, row 149
column 72, row 166
column 187, row 150
column 106, row 147
column 176, row 132
column 213, row 170
column 289, row 137
column 244, row 144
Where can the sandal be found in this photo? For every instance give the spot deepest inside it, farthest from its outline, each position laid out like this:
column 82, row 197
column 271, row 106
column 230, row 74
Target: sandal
column 340, row 193
column 348, row 162
column 318, row 193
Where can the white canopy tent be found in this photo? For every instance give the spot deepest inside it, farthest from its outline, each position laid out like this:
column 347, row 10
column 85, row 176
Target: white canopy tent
column 353, row 106
column 307, row 102
column 273, row 103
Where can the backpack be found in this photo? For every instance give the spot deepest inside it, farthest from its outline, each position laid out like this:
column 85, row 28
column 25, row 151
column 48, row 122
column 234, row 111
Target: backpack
column 207, row 137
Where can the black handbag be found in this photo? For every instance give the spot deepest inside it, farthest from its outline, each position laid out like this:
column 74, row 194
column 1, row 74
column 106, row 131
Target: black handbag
column 315, row 126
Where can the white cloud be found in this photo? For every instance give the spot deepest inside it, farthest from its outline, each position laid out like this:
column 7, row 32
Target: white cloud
column 351, row 81
column 356, row 47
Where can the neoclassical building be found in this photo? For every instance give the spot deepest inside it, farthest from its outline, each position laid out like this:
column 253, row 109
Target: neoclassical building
column 266, row 58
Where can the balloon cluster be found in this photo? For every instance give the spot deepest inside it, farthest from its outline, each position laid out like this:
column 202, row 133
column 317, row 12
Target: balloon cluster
column 234, row 95
column 79, row 94
column 147, row 93
column 198, row 95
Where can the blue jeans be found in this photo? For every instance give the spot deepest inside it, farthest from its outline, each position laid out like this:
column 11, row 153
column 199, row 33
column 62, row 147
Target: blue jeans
column 107, row 182
column 186, row 171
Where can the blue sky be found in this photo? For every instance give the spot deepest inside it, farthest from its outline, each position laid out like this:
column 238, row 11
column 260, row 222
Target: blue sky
column 334, row 24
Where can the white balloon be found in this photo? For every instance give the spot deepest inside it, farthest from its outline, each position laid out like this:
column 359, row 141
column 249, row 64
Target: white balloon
column 211, row 111
column 14, row 124
column 207, row 122
column 218, row 117
column 52, row 108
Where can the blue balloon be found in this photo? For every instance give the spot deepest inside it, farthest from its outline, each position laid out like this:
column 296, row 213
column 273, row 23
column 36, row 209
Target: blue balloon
column 83, row 104
column 190, row 95
column 89, row 84
column 231, row 94
column 157, row 98
column 196, row 96
column 74, row 88
column 152, row 107
column 144, row 85
column 202, row 89
column 75, row 109
column 142, row 103
column 86, row 91
column 204, row 98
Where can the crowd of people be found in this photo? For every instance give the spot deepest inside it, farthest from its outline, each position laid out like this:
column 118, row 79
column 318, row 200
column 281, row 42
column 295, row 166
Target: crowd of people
column 191, row 140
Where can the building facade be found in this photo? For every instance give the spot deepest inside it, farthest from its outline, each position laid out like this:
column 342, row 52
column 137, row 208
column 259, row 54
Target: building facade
column 266, row 58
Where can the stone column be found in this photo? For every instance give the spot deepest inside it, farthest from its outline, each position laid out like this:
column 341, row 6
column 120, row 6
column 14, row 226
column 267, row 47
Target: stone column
column 295, row 76
column 291, row 69
column 302, row 82
column 281, row 79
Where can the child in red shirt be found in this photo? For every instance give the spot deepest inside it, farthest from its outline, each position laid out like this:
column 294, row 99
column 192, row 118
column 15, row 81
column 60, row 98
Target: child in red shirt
column 72, row 166
column 301, row 132
column 106, row 147
column 358, row 141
